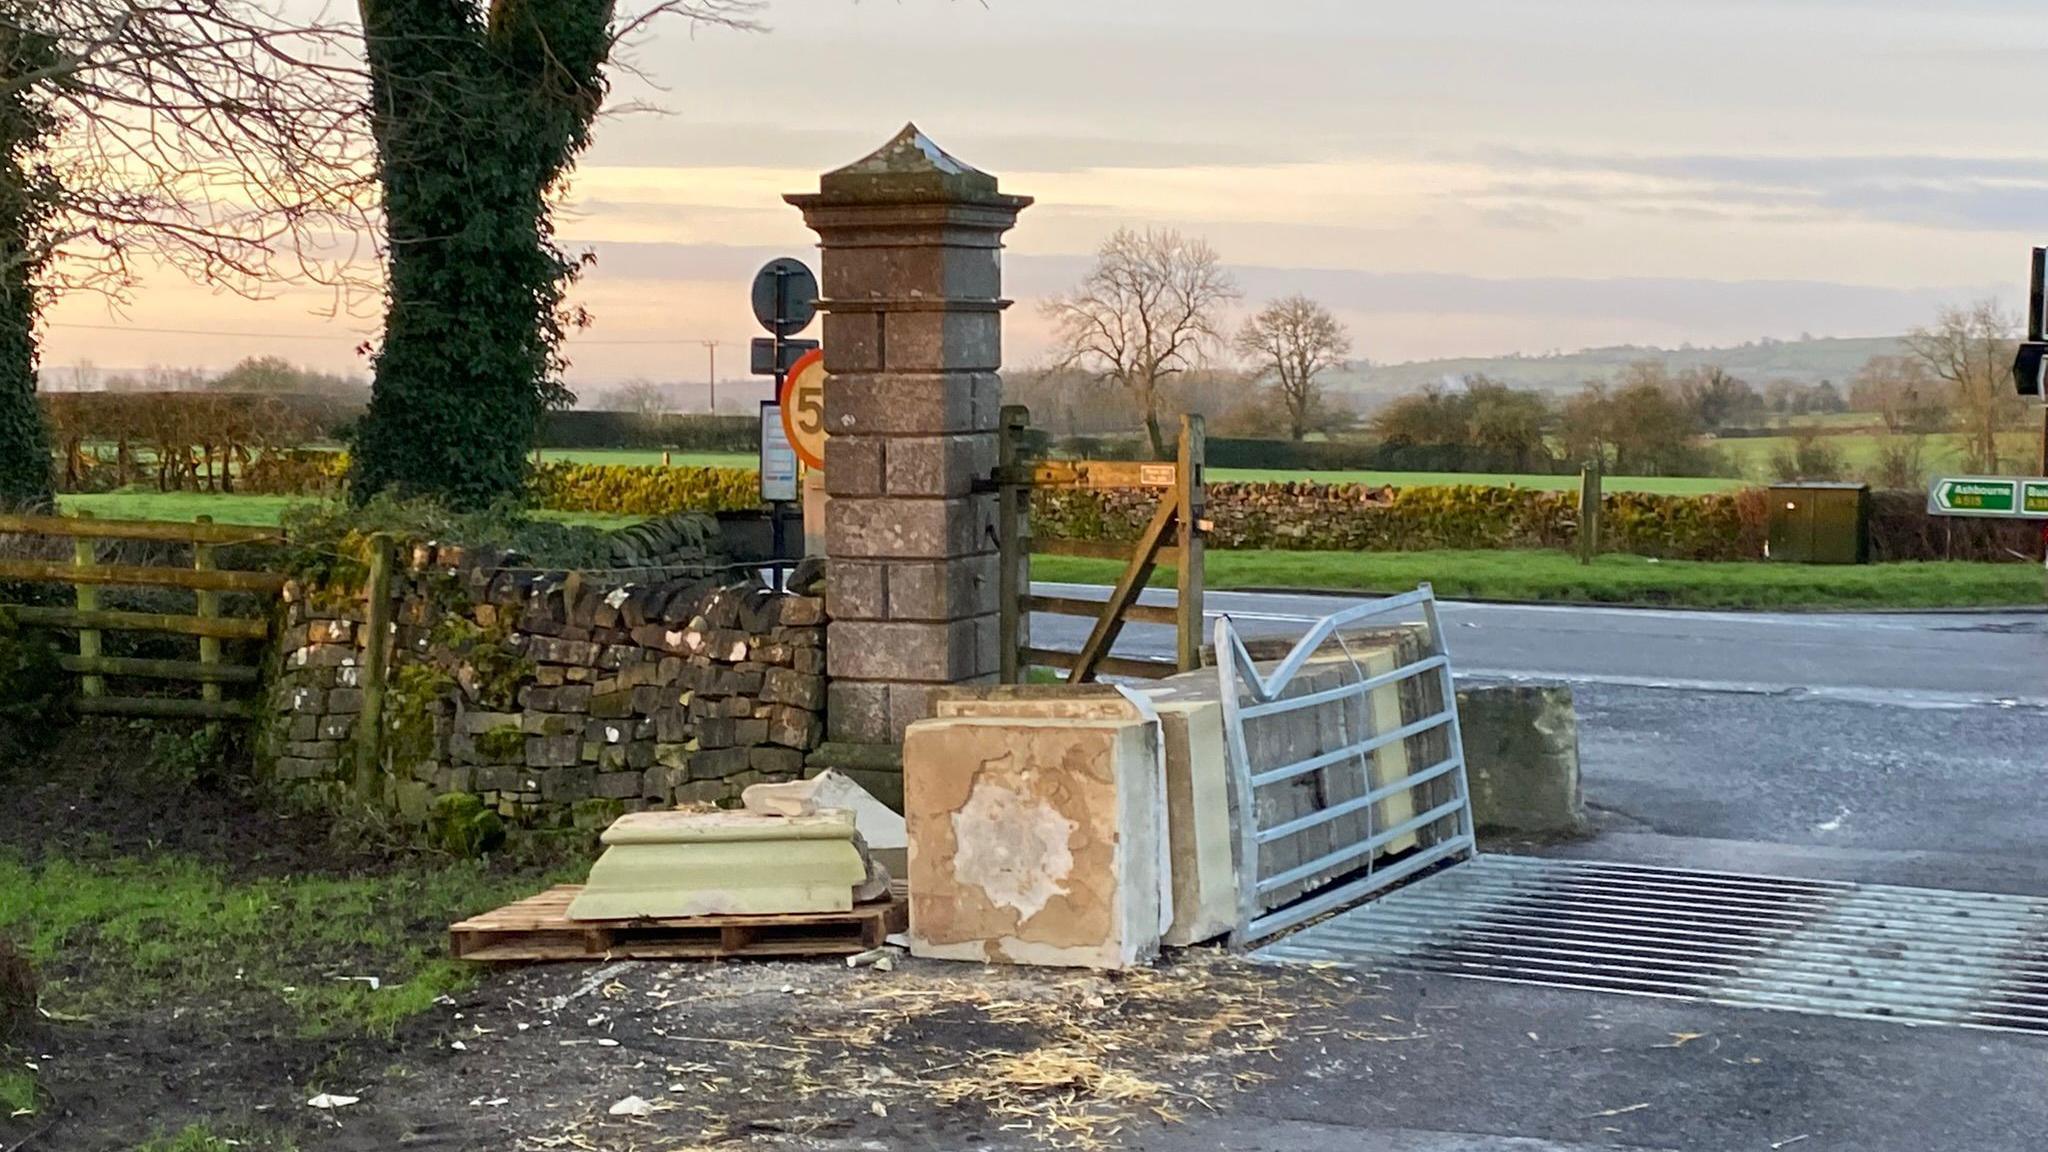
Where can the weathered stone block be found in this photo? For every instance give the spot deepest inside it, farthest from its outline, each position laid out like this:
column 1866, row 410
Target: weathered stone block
column 939, row 465
column 476, row 723
column 671, row 723
column 612, row 705
column 854, row 466
column 550, row 724
column 345, row 700
column 565, row 784
column 337, row 727
column 908, row 650
column 864, row 402
column 749, row 732
column 618, row 785
column 786, row 762
column 788, row 686
column 1034, row 841
column 717, row 763
column 945, row 590
column 857, row 712
column 1522, row 759
column 800, row 611
column 795, row 728
column 936, row 529
column 553, row 751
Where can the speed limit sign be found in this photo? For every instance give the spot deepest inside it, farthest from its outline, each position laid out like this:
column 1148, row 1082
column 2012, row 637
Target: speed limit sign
column 803, row 407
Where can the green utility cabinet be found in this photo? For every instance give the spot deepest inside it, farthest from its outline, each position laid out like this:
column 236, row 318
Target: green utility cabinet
column 1820, row 523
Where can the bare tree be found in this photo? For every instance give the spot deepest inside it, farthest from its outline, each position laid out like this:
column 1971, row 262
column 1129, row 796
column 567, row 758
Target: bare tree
column 640, row 396
column 1972, row 349
column 208, row 135
column 1296, row 340
column 1146, row 313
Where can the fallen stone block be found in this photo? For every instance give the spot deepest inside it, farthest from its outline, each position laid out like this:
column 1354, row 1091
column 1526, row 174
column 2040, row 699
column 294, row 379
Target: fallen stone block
column 669, row 864
column 1034, row 841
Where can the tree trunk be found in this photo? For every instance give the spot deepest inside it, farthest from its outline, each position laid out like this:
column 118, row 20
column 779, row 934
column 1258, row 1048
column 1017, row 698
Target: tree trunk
column 475, row 121
column 25, row 200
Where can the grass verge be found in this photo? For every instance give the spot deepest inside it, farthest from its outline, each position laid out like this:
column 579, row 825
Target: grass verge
column 240, row 508
column 1615, row 579
column 115, row 938
column 17, row 1093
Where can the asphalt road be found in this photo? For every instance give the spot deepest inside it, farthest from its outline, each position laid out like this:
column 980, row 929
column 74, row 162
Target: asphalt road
column 1918, row 659
column 1909, row 749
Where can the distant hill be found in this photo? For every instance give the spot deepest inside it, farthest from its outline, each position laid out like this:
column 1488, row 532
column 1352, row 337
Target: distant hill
column 1806, row 361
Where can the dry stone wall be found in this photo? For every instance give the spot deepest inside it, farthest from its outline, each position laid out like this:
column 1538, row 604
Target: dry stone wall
column 554, row 700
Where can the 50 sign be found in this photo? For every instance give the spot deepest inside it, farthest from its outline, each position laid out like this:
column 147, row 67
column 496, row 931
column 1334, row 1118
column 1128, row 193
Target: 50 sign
column 803, row 408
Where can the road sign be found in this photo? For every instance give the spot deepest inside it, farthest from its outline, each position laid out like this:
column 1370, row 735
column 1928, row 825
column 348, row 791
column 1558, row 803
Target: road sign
column 2025, row 498
column 785, row 296
column 763, row 351
column 778, row 461
column 803, row 408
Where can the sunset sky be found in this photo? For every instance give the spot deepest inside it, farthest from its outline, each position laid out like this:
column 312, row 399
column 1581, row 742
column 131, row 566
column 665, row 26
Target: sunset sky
column 1453, row 177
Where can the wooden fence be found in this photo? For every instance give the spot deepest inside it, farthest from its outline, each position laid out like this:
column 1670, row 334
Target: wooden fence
column 1177, row 530
column 207, row 623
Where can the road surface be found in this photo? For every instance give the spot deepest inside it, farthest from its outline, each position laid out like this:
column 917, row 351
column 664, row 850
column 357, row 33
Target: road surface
column 1907, row 749
column 1931, row 659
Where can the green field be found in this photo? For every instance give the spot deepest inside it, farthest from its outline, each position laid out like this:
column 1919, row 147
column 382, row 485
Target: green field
column 1668, row 485
column 237, row 508
column 1613, row 579
column 1940, row 453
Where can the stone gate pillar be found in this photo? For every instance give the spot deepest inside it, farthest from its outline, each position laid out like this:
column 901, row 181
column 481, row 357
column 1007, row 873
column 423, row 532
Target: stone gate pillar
column 911, row 273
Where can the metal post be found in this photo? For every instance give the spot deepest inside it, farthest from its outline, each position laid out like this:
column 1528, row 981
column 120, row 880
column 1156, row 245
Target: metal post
column 208, row 607
column 1012, row 561
column 711, row 372
column 1188, row 491
column 377, row 623
column 1589, row 512
column 88, row 600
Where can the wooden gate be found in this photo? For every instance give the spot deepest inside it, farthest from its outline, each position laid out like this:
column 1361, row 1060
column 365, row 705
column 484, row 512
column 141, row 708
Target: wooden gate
column 1176, row 528
column 207, row 624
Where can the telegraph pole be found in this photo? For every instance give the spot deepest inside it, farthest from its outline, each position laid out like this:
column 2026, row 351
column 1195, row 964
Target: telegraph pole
column 711, row 371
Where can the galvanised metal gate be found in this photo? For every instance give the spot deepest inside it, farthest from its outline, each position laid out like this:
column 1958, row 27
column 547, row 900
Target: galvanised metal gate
column 1332, row 804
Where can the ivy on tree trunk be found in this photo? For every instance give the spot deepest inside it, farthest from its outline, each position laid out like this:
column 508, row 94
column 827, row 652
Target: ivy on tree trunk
column 479, row 111
column 28, row 196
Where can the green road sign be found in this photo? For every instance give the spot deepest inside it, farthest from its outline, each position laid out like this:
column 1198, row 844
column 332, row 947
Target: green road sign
column 1989, row 496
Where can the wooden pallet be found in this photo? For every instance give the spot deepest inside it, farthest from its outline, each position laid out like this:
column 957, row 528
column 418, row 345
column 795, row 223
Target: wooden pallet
column 539, row 928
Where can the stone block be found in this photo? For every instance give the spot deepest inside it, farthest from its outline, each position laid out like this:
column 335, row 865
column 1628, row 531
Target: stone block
column 640, row 675
column 475, row 723
column 865, row 402
column 674, row 756
column 857, row 712
column 1035, row 841
column 787, row 686
column 337, row 727
column 612, row 705
column 1522, row 759
column 345, row 700
column 944, row 590
column 304, row 727
column 718, row 763
column 647, row 699
column 858, row 590
column 640, row 755
column 565, row 784
column 919, row 466
column 810, row 661
column 550, row 724
column 952, row 341
column 671, row 723
column 893, row 529
column 703, row 863
column 914, row 651
column 618, row 785
column 855, row 466
column 794, row 728
column 553, row 751
column 800, row 611
column 1198, row 820
column 573, row 698
column 935, row 271
column 717, row 732
column 749, row 732
column 783, row 762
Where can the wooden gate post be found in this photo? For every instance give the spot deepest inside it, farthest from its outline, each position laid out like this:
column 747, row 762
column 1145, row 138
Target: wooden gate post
column 377, row 621
column 1013, row 556
column 87, row 601
column 208, row 608
column 1589, row 512
column 1188, row 491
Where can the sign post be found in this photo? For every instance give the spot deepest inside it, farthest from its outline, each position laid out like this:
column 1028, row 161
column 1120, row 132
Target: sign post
column 785, row 300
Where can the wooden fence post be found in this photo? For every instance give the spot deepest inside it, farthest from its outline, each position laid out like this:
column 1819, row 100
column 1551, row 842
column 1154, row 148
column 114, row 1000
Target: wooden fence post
column 88, row 600
column 1013, row 505
column 208, row 608
column 377, row 621
column 1188, row 492
column 1589, row 512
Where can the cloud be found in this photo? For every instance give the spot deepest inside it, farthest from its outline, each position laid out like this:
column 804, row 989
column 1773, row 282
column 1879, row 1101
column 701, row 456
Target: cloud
column 1966, row 193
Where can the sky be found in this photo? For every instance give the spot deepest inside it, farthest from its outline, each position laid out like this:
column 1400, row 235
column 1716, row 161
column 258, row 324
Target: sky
column 1452, row 177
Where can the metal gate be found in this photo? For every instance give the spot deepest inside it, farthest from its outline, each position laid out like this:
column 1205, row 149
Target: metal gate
column 1332, row 804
